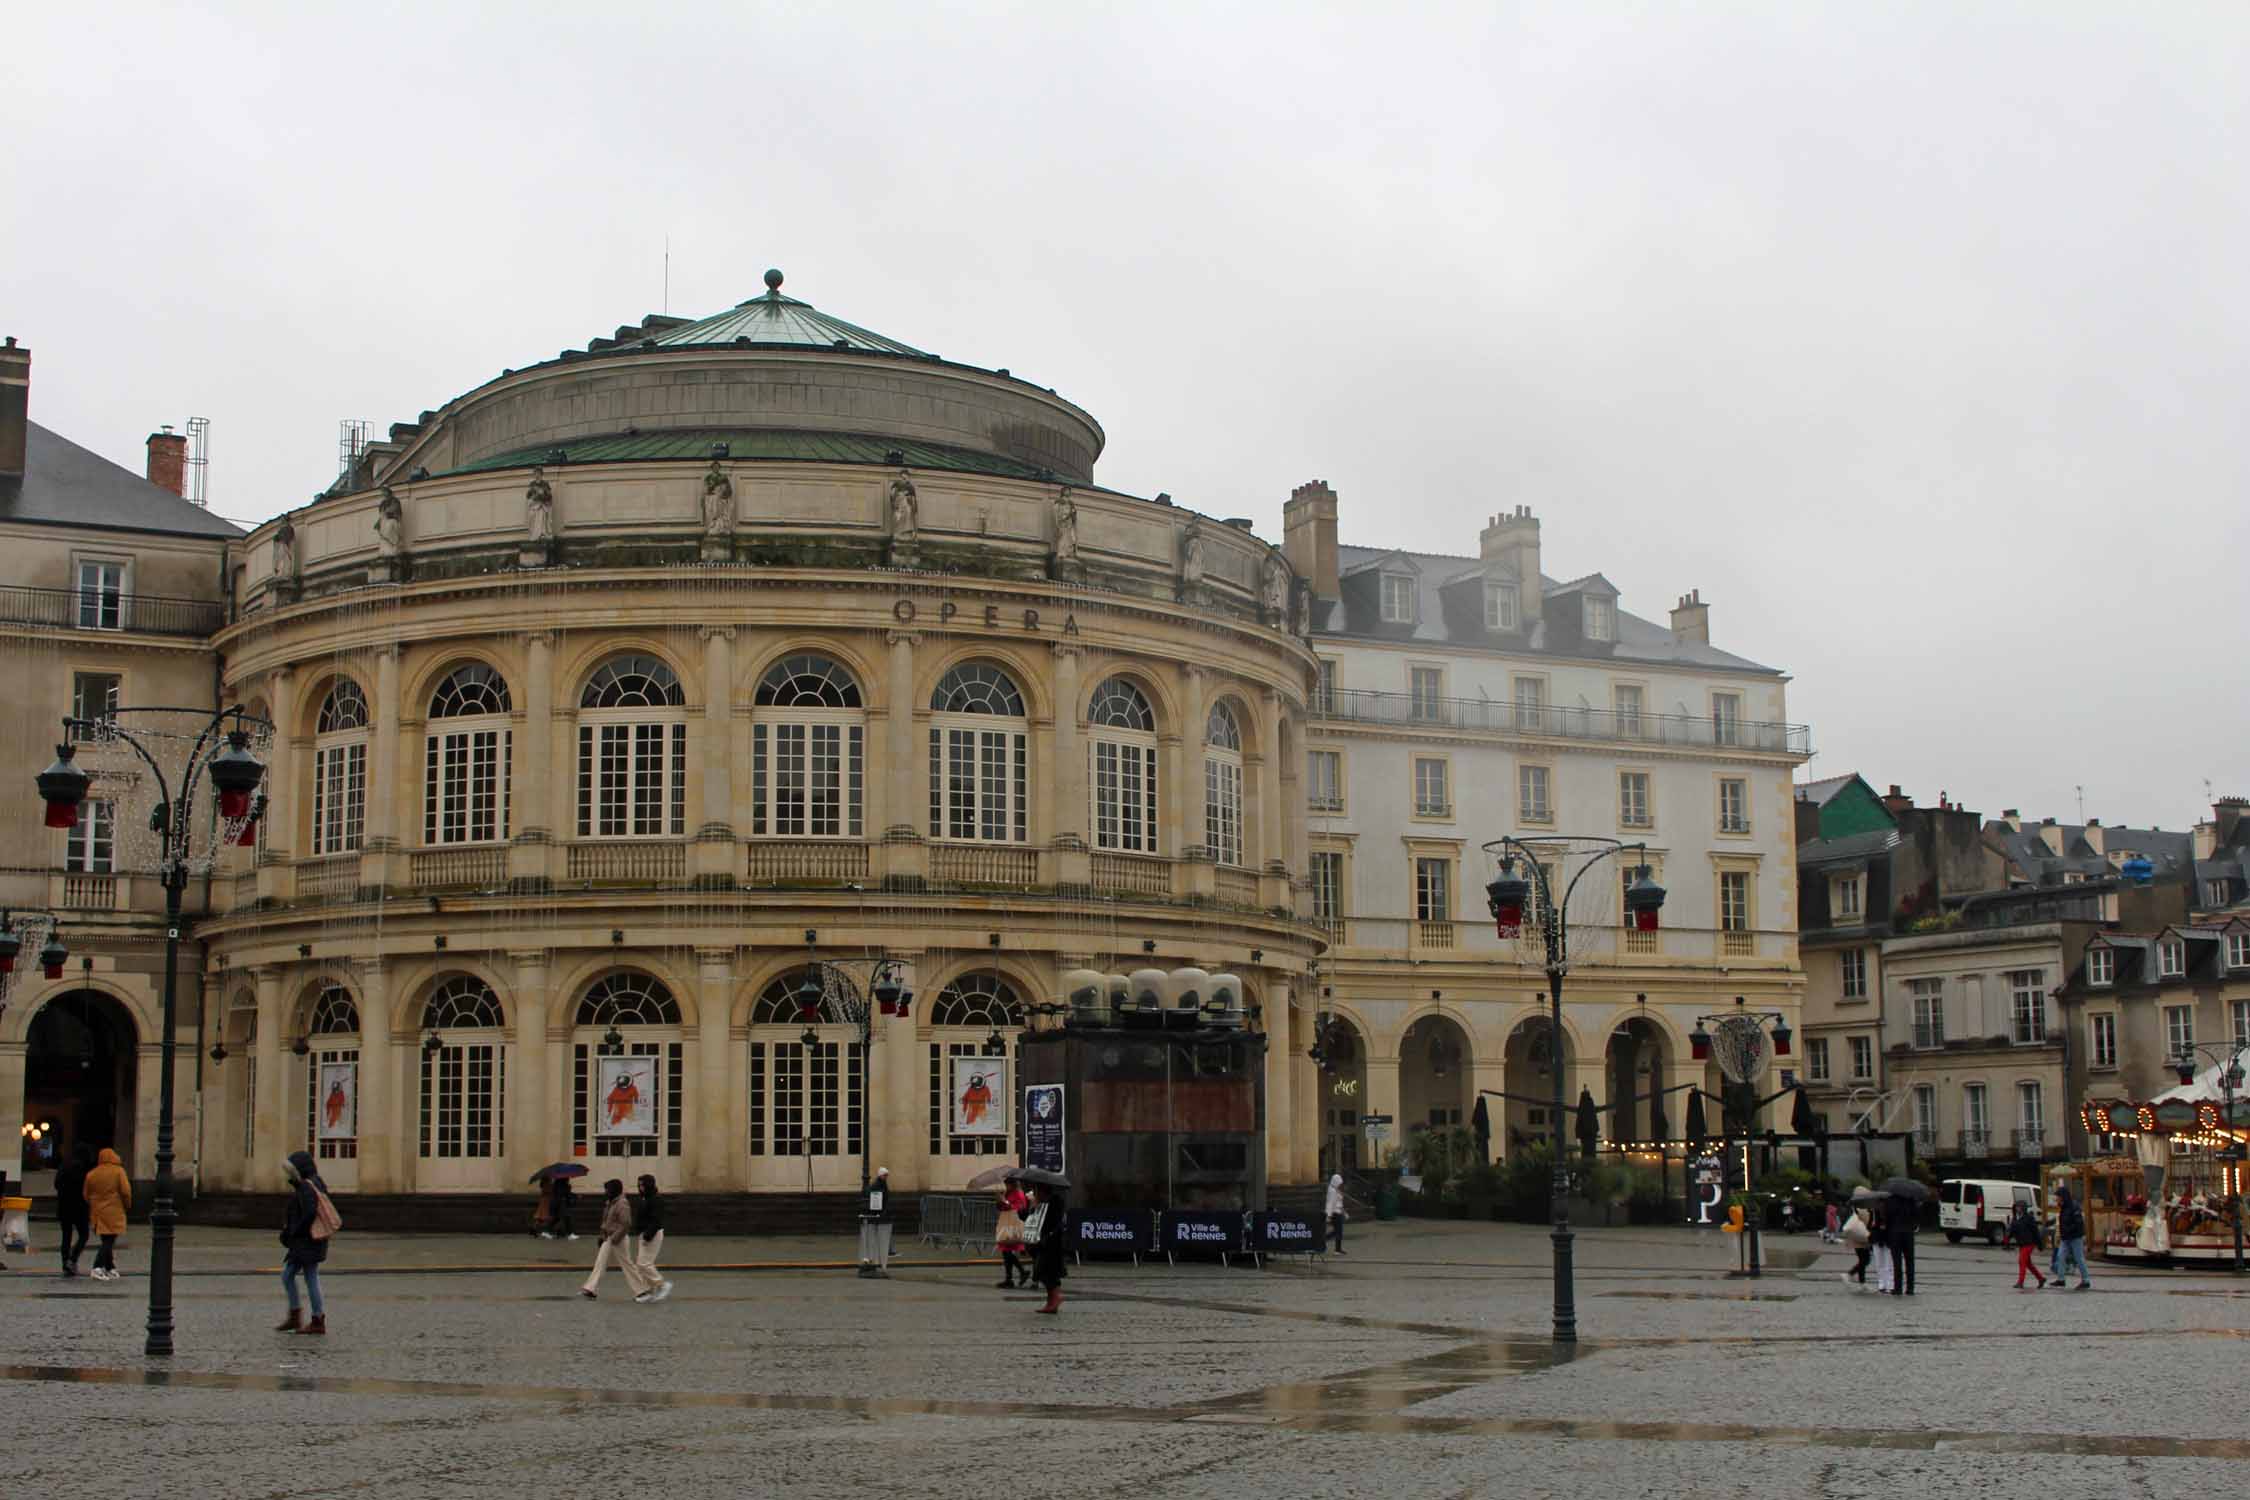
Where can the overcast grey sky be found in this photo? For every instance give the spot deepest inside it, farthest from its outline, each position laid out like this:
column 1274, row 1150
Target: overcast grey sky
column 1913, row 334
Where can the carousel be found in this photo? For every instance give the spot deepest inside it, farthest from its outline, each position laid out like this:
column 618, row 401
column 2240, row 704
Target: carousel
column 2177, row 1198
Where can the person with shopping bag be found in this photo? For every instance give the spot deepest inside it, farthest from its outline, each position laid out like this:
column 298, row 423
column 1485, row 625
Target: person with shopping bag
column 1859, row 1238
column 1007, row 1233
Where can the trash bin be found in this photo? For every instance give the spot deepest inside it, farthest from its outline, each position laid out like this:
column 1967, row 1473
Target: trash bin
column 874, row 1245
column 15, row 1223
column 1386, row 1202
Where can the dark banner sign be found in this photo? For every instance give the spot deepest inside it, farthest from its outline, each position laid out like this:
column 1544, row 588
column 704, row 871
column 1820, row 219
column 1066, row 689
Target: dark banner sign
column 1124, row 1231
column 1287, row 1234
column 1196, row 1231
column 1043, row 1126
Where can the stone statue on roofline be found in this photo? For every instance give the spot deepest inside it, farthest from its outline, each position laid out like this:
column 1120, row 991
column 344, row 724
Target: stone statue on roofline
column 1277, row 590
column 390, row 540
column 539, row 507
column 1066, row 536
column 718, row 514
column 285, row 563
column 1191, row 559
column 904, row 504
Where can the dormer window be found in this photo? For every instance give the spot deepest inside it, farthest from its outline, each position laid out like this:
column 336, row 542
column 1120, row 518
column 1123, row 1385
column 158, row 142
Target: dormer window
column 2101, row 966
column 1601, row 619
column 1499, row 606
column 2171, row 959
column 1398, row 599
column 2238, row 950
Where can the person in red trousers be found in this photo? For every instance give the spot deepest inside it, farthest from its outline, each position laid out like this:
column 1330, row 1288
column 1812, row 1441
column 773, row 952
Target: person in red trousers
column 2023, row 1230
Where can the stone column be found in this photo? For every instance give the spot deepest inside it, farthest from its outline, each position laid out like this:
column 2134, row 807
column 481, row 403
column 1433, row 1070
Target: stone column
column 715, row 839
column 718, row 1160
column 1383, row 1099
column 386, row 1134
column 560, row 814
column 533, row 1136
column 1307, row 1095
column 286, row 808
column 389, row 758
column 1071, row 834
column 11, row 1110
column 1283, row 1128
column 533, row 768
column 898, row 1109
column 274, row 1092
column 1197, row 874
column 906, row 856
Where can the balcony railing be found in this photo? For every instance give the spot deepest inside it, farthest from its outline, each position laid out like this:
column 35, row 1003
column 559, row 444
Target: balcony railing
column 1925, row 1143
column 1132, row 875
column 1428, row 934
column 976, row 864
column 2031, row 1141
column 485, row 867
column 328, row 877
column 1235, row 887
column 1929, row 1035
column 1736, row 942
column 817, row 861
column 89, row 609
column 1367, row 706
column 1975, row 1144
column 627, row 863
column 85, row 892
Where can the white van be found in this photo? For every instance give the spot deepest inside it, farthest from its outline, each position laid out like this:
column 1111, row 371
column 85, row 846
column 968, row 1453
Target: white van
column 1981, row 1205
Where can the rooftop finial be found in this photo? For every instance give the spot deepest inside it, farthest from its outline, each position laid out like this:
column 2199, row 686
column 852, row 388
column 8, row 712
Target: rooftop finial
column 773, row 281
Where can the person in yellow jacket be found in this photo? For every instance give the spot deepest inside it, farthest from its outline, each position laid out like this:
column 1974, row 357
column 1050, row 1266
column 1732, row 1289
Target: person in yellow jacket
column 109, row 1192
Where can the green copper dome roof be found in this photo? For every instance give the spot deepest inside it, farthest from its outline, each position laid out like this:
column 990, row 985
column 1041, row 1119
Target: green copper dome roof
column 775, row 319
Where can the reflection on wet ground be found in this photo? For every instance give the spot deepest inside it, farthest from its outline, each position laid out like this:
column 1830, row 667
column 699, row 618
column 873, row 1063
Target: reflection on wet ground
column 1744, row 1296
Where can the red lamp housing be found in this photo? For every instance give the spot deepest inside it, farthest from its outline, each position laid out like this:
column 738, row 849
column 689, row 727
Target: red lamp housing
column 235, row 772
column 1644, row 898
column 52, row 958
column 808, row 998
column 1781, row 1036
column 10, row 946
column 1507, row 896
column 63, row 786
column 1699, row 1043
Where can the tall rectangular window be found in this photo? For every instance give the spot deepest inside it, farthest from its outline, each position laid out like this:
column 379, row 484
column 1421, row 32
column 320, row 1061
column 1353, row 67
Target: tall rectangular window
column 1324, row 687
column 1222, row 809
column 1327, row 885
column 1124, row 795
column 2101, row 966
column 1863, row 1057
column 1843, row 904
column 1925, row 1111
column 465, row 786
column 2027, row 991
column 2179, row 1031
column 1324, row 780
column 339, row 797
column 1398, row 599
column 1816, row 1059
column 2238, row 950
column 1976, row 1119
column 1499, row 606
column 1726, row 718
column 93, row 695
column 91, row 847
column 1854, row 962
column 2101, row 1036
column 1433, row 794
column 1628, row 702
column 1433, row 890
column 631, row 779
column 1734, row 805
column 2171, row 958
column 101, row 595
column 2238, row 1014
column 2031, row 1116
column 1734, row 900
column 1533, row 804
column 1427, row 694
column 1632, row 799
column 979, row 785
column 1531, row 705
column 1601, row 619
column 1929, row 1012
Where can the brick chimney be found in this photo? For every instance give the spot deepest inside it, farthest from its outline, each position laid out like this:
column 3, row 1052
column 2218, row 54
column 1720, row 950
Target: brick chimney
column 2014, row 819
column 167, row 460
column 1308, row 536
column 2226, row 816
column 1511, row 540
column 15, row 405
column 1894, row 800
column 2096, row 840
column 1691, row 621
column 2050, row 834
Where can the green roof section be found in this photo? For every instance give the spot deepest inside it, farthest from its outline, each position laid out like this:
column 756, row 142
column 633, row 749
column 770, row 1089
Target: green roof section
column 761, row 444
column 775, row 319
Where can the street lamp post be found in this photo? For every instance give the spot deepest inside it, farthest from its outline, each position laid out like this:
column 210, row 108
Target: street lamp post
column 1743, row 1032
column 2229, row 1064
column 221, row 750
column 1507, row 895
column 891, row 997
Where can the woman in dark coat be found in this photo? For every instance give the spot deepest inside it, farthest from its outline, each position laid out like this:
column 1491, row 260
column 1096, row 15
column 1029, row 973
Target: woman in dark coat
column 1047, row 1254
column 301, row 1253
column 70, row 1205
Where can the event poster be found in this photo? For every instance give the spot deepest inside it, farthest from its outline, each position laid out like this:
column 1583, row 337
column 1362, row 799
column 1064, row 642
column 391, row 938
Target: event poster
column 625, row 1096
column 1043, row 1126
column 980, row 1093
column 339, row 1101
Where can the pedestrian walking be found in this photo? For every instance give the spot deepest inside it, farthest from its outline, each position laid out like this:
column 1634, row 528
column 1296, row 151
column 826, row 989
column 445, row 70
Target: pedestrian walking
column 109, row 1193
column 70, row 1204
column 2023, row 1232
column 2070, row 1239
column 617, row 1234
column 1899, row 1221
column 304, row 1245
column 1049, row 1214
column 648, row 1243
column 875, row 1226
column 559, row 1198
column 1883, row 1263
column 543, row 1212
column 1857, row 1236
column 1334, row 1209
column 1015, row 1260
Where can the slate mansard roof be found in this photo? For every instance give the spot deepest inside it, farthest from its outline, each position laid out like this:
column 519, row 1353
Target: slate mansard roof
column 66, row 485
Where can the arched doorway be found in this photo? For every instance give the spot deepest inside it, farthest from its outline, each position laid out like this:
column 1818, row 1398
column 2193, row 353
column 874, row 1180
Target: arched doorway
column 1633, row 1070
column 1530, row 1061
column 1433, row 1075
column 1342, row 1081
column 79, row 1078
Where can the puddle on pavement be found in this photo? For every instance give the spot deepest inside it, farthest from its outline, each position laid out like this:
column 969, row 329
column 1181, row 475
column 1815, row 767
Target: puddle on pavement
column 1704, row 1296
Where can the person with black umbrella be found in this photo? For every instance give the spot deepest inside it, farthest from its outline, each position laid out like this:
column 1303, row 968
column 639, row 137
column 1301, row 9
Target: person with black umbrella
column 1900, row 1216
column 558, row 1208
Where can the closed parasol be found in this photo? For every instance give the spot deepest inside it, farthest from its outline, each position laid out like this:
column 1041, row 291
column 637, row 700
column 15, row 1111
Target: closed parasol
column 1802, row 1120
column 1589, row 1122
column 1480, row 1121
column 1696, row 1133
column 1659, row 1128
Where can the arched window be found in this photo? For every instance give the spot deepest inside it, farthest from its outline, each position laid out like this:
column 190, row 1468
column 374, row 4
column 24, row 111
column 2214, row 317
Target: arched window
column 980, row 772
column 462, row 1126
column 332, row 1080
column 1222, row 786
column 632, row 751
column 808, row 758
column 972, row 1106
column 463, row 1003
column 628, row 1102
column 465, row 772
column 806, row 1100
column 339, row 800
column 1122, row 740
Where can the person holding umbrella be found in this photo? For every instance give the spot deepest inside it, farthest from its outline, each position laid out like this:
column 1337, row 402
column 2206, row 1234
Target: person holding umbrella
column 1906, row 1197
column 1047, row 1232
column 551, row 1220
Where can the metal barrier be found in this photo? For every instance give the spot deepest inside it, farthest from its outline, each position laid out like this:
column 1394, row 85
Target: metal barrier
column 968, row 1220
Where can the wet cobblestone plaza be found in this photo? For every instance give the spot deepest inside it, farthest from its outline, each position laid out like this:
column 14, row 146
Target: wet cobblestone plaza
column 1419, row 1364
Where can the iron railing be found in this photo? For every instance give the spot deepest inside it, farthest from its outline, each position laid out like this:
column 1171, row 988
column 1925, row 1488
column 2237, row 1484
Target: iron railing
column 1493, row 716
column 94, row 609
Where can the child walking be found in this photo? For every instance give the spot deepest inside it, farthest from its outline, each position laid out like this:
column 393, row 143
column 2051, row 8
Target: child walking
column 2023, row 1230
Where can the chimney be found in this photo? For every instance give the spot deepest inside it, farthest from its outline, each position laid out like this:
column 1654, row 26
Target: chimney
column 1894, row 800
column 2051, row 835
column 2095, row 838
column 1308, row 536
column 1691, row 621
column 2226, row 815
column 1512, row 541
column 2014, row 820
column 167, row 460
column 15, row 405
